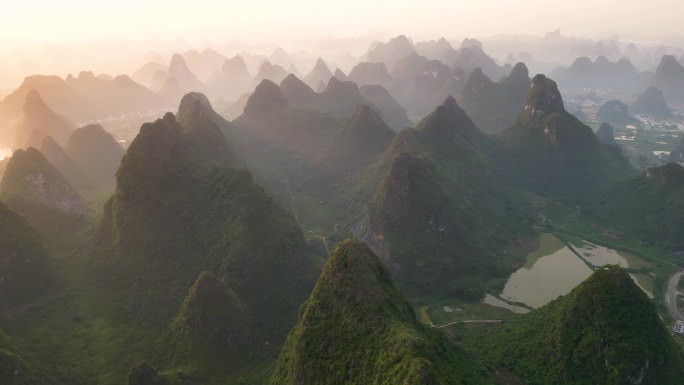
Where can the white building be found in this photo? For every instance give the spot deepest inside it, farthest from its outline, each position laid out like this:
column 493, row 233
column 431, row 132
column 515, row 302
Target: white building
column 679, row 327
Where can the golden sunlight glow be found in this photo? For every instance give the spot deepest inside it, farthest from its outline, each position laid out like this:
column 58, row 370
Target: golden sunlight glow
column 84, row 20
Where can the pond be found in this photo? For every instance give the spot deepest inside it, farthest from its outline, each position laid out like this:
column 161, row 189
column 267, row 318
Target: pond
column 554, row 269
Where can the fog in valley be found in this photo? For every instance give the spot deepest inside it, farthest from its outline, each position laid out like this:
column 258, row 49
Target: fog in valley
column 314, row 192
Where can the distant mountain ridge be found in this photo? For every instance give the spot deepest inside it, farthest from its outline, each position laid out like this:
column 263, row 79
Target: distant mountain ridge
column 83, row 98
column 39, row 121
column 494, row 106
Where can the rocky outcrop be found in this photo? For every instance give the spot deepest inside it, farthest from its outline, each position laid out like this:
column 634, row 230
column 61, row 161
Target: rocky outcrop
column 30, row 176
column 543, row 98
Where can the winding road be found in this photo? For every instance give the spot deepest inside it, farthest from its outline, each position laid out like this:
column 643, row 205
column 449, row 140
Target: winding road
column 671, row 295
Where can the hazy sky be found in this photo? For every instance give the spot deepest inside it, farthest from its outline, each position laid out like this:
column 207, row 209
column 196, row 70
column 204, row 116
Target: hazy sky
column 257, row 20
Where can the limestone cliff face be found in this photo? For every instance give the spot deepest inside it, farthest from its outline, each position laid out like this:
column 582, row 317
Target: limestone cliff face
column 55, row 193
column 30, row 176
column 543, row 99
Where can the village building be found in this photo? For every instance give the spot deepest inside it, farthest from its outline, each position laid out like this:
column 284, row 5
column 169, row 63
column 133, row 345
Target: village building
column 679, row 327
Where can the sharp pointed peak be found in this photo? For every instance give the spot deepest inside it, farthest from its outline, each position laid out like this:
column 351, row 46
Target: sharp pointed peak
column 451, row 103
column 177, row 60
column 34, row 103
column 520, row 70
column 320, row 63
column 333, row 82
column 446, row 120
column 340, row 75
column 267, row 96
column 291, row 79
column 477, row 76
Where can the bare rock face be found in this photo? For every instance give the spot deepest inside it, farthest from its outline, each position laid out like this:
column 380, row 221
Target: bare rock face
column 543, row 99
column 30, row 176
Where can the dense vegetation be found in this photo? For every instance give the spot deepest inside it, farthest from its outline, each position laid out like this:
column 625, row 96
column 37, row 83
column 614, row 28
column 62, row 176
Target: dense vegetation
column 553, row 151
column 649, row 206
column 30, row 176
column 193, row 273
column 605, row 331
column 25, row 271
column 180, row 209
column 357, row 328
column 14, row 369
column 443, row 180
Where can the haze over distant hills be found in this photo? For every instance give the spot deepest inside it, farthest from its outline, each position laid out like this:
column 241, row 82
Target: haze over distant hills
column 417, row 205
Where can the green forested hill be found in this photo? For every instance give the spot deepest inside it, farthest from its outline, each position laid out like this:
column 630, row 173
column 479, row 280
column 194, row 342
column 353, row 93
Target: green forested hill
column 605, row 331
column 553, row 151
column 444, row 181
column 25, row 270
column 357, row 328
column 30, row 176
column 180, row 209
column 649, row 206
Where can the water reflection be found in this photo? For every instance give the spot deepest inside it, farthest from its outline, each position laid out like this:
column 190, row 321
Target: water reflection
column 553, row 269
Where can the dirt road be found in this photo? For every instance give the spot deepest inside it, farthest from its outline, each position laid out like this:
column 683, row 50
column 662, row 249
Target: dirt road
column 671, row 295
